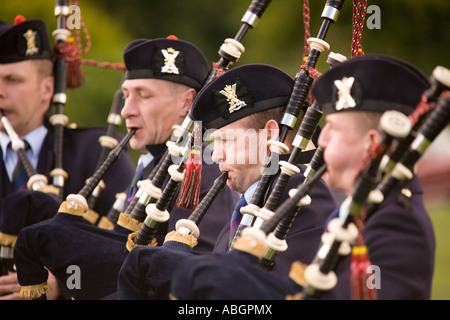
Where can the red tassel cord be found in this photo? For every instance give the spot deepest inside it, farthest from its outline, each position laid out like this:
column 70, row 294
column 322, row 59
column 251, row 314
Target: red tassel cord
column 73, row 50
column 359, row 16
column 362, row 287
column 190, row 186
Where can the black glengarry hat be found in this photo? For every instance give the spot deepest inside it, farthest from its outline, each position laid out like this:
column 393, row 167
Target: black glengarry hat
column 370, row 83
column 166, row 59
column 25, row 40
column 242, row 91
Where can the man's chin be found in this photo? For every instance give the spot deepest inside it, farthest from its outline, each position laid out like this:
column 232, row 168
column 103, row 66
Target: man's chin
column 137, row 145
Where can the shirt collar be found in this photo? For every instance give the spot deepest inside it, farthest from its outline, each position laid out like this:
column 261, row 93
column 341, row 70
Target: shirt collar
column 35, row 139
column 145, row 159
column 248, row 194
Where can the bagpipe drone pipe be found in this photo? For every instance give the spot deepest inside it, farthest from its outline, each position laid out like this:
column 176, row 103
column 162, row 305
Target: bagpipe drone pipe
column 59, row 120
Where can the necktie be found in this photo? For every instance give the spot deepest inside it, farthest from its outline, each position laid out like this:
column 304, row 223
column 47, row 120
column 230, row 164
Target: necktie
column 139, row 175
column 236, row 218
column 20, row 176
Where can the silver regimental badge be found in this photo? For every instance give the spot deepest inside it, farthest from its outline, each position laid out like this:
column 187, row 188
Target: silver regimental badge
column 170, row 55
column 233, row 101
column 345, row 99
column 30, row 37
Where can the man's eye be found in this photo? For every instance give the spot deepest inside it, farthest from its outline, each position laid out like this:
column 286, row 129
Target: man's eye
column 12, row 79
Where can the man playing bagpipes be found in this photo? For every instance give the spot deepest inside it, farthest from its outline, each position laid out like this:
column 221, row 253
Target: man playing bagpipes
column 159, row 92
column 27, row 88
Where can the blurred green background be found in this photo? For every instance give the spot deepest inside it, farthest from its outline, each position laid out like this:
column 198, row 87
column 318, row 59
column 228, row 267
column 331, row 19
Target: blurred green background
column 413, row 30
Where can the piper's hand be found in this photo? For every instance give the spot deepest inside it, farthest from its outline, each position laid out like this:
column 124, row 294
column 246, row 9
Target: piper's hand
column 9, row 287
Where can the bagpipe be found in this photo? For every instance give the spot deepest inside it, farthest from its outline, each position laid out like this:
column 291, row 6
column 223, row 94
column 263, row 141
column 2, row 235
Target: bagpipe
column 106, row 247
column 36, row 182
column 150, row 268
column 300, row 91
column 231, row 49
column 68, row 74
column 68, row 226
column 392, row 164
column 393, row 125
column 319, row 275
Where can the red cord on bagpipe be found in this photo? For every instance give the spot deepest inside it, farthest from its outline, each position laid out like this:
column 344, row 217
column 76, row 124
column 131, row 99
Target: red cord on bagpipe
column 72, row 51
column 359, row 15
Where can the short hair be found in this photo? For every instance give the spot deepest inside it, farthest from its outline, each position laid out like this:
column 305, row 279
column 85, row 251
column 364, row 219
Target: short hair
column 366, row 120
column 44, row 67
column 258, row 120
column 177, row 88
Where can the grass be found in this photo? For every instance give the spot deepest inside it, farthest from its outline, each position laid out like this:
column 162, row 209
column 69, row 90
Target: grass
column 440, row 216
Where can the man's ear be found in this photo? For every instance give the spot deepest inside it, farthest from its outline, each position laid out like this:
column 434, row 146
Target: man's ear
column 188, row 97
column 47, row 87
column 273, row 130
column 373, row 138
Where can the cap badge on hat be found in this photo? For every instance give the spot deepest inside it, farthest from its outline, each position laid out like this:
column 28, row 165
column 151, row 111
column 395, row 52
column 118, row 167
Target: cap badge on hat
column 345, row 99
column 30, row 37
column 169, row 66
column 230, row 93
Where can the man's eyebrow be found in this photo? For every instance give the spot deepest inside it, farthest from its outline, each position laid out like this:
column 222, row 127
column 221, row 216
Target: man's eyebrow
column 137, row 88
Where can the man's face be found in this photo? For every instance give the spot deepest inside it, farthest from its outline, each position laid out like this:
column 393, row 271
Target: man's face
column 240, row 151
column 153, row 107
column 24, row 97
column 345, row 150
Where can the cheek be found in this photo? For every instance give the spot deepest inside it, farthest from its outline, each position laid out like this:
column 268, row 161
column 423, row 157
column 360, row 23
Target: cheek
column 339, row 156
column 233, row 153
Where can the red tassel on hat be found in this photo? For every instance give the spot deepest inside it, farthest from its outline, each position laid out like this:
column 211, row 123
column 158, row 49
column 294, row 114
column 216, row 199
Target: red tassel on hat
column 359, row 268
column 19, row 19
column 190, row 186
